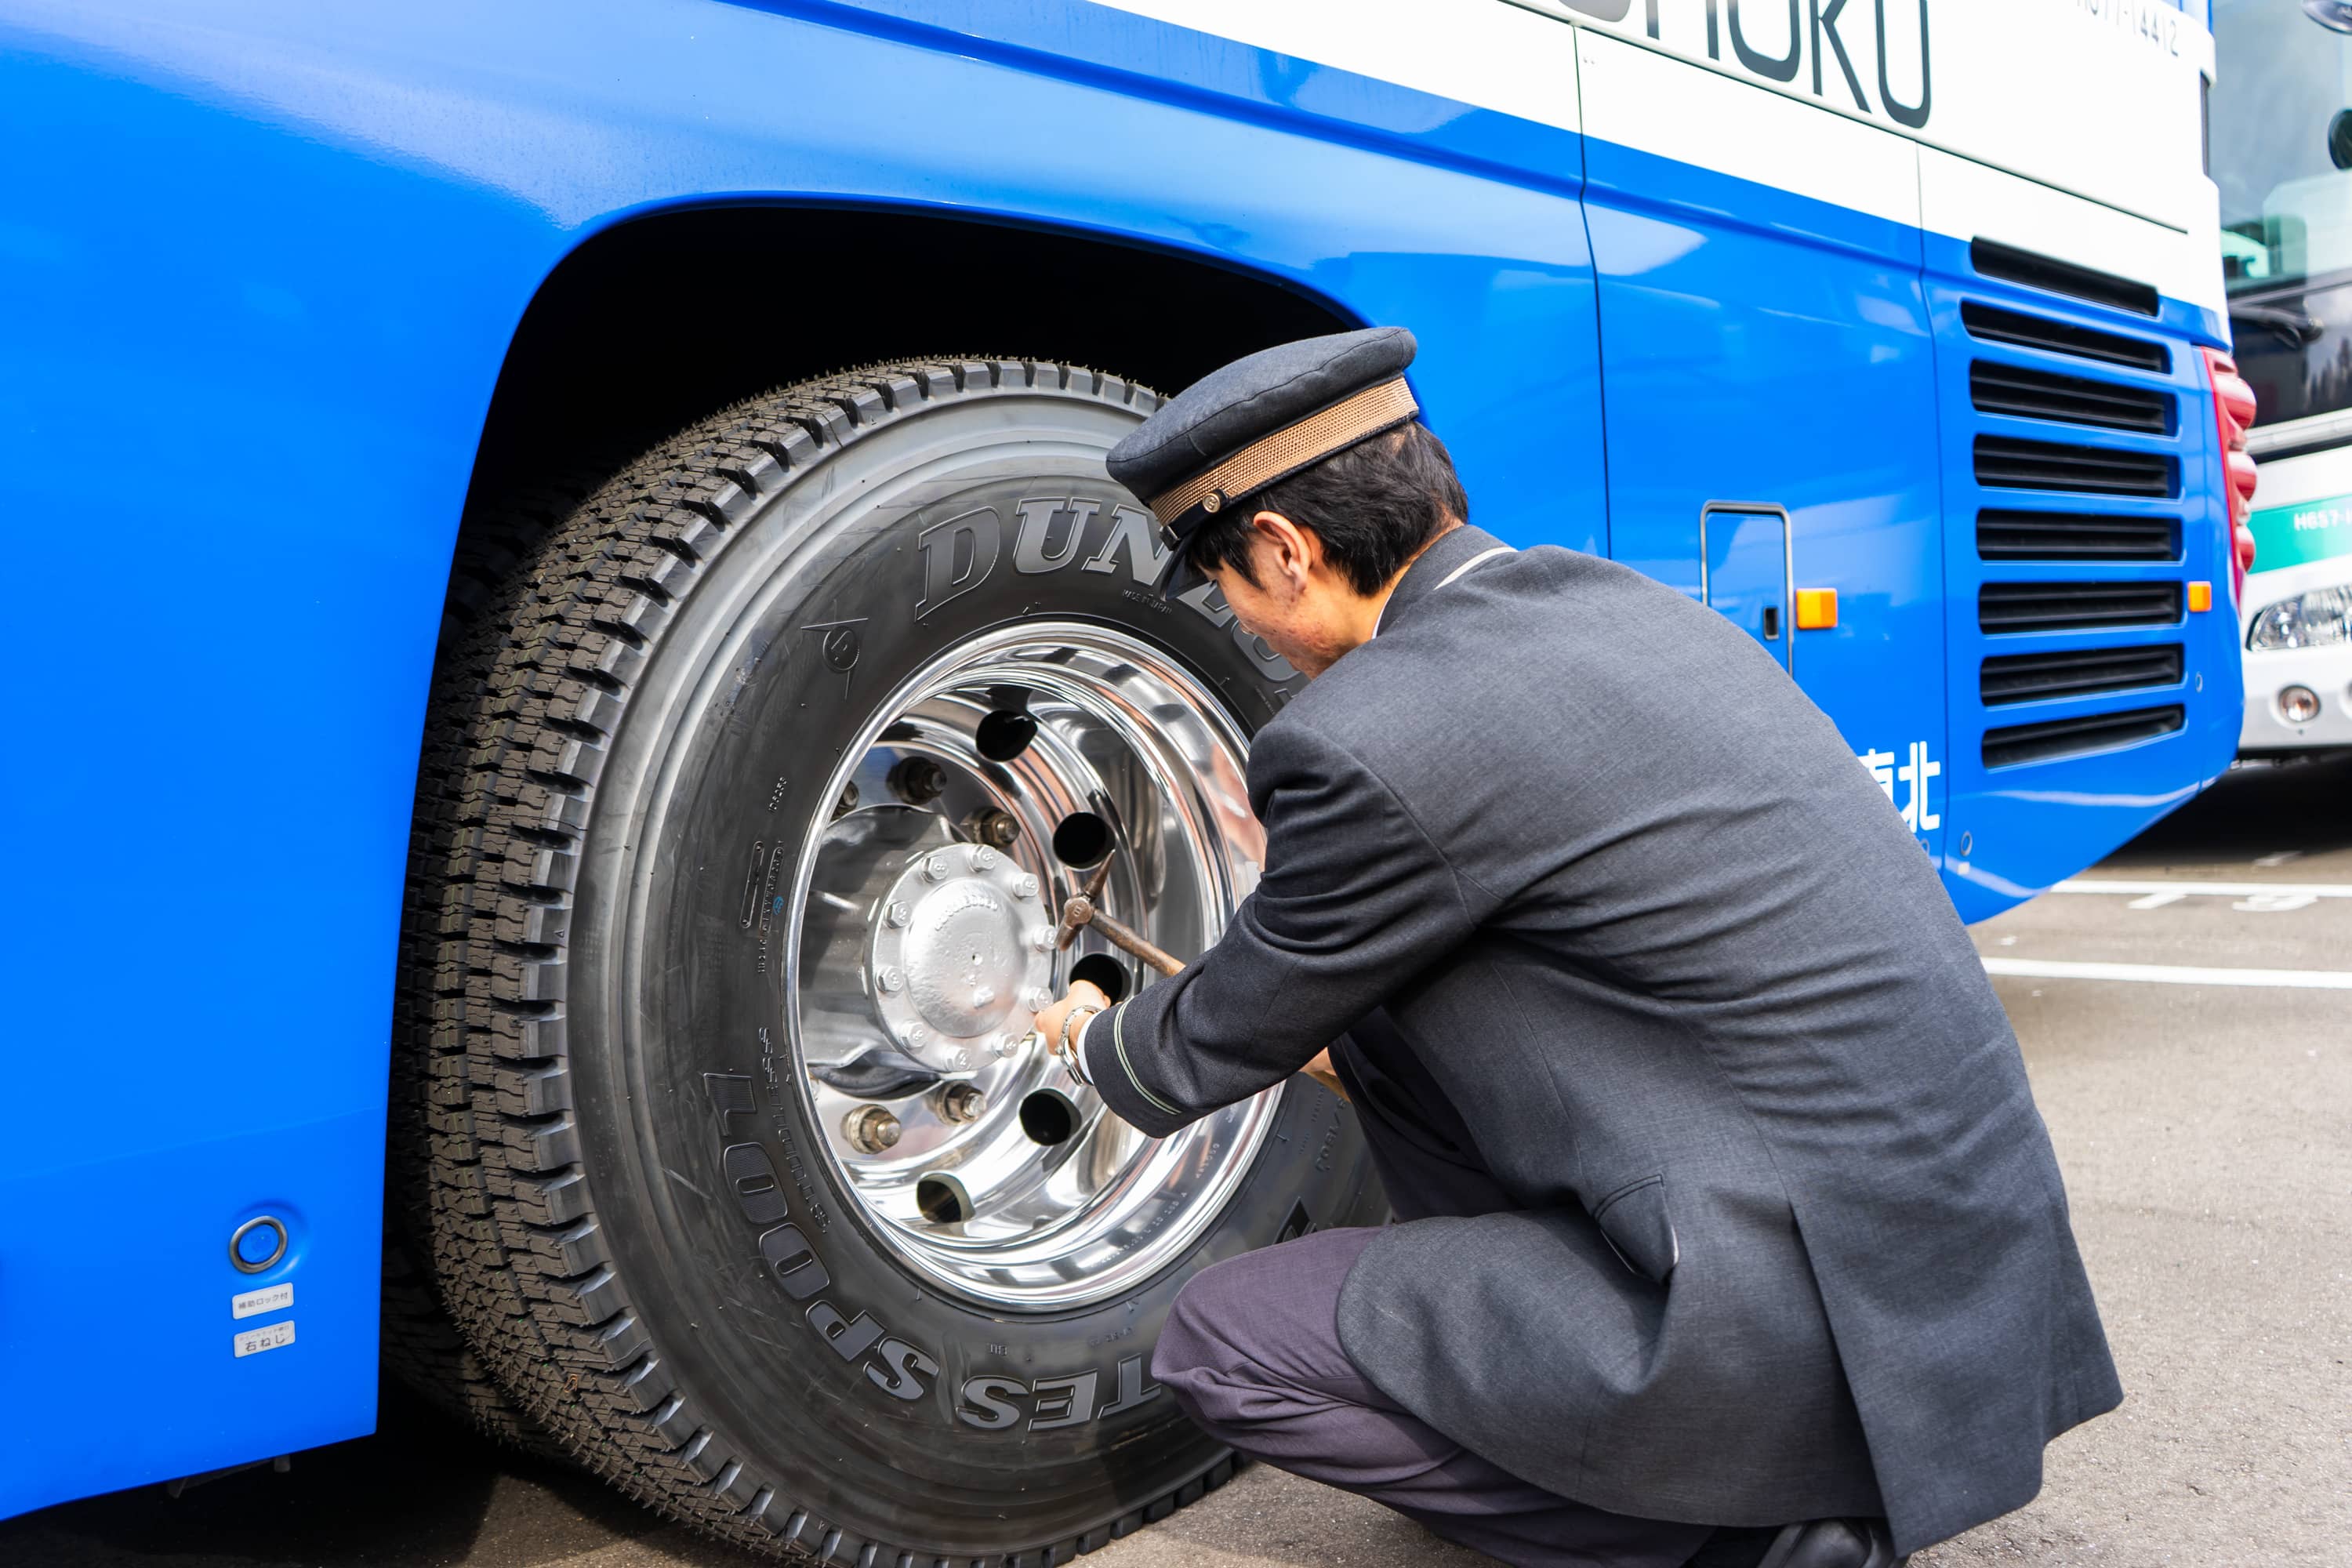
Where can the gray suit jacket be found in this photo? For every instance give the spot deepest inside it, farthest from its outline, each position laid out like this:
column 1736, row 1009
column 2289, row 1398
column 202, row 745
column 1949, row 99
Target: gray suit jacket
column 1714, row 1026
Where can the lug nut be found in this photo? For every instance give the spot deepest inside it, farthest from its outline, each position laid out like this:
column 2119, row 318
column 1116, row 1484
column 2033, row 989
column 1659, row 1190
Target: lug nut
column 1039, row 998
column 891, row 980
column 915, row 1035
column 848, row 801
column 870, row 1128
column 1042, row 938
column 961, row 1102
column 988, row 825
column 898, row 916
column 983, row 859
column 917, row 781
column 936, row 868
column 1025, row 886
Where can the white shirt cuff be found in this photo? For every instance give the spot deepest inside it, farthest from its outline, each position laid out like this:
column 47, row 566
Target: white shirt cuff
column 1081, row 1066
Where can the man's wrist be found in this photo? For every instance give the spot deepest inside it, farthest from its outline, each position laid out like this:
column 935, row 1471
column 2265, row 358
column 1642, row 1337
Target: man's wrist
column 1080, row 1068
column 1071, row 1045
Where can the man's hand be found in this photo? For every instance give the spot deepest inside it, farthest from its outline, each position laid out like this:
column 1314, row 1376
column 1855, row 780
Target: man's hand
column 1083, row 993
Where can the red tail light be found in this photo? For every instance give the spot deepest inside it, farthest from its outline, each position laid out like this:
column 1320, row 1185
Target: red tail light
column 2234, row 416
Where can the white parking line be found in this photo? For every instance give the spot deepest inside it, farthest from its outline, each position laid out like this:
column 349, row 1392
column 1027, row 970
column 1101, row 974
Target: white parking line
column 2207, row 890
column 2171, row 974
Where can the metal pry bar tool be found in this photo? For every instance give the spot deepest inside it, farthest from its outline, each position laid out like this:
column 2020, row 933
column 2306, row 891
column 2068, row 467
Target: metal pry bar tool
column 1081, row 912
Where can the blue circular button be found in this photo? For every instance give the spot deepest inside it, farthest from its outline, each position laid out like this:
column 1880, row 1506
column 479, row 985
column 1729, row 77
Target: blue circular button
column 256, row 1244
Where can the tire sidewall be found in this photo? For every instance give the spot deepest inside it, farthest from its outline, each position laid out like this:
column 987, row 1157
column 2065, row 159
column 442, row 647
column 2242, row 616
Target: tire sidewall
column 896, row 1408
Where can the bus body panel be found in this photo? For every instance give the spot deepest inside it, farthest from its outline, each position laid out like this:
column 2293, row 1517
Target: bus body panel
column 1778, row 359
column 2100, row 101
column 266, row 266
column 2026, row 826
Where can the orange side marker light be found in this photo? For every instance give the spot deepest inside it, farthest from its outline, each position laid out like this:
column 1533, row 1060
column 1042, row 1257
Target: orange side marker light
column 1816, row 609
column 2201, row 595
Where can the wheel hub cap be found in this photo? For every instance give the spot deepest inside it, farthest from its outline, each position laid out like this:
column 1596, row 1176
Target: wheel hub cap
column 950, row 982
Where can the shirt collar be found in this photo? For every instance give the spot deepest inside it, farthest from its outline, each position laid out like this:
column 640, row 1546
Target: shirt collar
column 1456, row 551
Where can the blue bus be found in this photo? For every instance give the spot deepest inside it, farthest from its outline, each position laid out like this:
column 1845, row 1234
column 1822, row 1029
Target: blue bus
column 598, row 553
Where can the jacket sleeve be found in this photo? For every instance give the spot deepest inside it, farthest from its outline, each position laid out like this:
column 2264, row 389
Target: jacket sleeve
column 1356, row 900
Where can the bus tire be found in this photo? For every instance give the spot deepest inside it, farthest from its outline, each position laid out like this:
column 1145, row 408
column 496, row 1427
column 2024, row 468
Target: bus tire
column 648, row 1216
column 421, row 1347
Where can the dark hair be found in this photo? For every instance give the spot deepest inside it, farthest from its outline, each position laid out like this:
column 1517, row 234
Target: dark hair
column 1373, row 505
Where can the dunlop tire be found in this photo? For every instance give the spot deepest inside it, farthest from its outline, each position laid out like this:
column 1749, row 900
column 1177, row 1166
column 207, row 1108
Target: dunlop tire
column 564, row 1152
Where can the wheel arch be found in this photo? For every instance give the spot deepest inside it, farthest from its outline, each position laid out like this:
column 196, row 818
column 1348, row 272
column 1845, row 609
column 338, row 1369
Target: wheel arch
column 619, row 344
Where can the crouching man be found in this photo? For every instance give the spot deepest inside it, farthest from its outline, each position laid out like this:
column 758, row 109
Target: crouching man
column 1729, row 1233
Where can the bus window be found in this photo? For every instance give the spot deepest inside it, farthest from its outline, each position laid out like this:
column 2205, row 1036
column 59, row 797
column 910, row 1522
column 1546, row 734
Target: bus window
column 2281, row 153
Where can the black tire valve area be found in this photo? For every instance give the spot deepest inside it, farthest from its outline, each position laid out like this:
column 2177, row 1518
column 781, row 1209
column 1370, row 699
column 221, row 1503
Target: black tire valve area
column 1082, row 839
column 1005, row 734
column 1048, row 1116
column 1102, row 972
column 942, row 1199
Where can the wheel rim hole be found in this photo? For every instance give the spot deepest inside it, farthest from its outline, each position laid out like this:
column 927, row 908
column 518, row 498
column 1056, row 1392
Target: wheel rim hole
column 1081, row 839
column 942, row 1199
column 1104, row 973
column 1049, row 1117
column 1005, row 734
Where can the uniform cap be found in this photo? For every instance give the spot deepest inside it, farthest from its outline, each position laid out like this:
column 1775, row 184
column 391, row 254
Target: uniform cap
column 1260, row 420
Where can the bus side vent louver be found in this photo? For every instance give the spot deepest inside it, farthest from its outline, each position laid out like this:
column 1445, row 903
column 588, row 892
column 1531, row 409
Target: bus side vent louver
column 2075, row 606
column 2055, row 738
column 2066, row 670
column 2074, row 536
column 1993, row 260
column 2004, row 463
column 2077, row 672
column 1990, row 323
column 2028, row 394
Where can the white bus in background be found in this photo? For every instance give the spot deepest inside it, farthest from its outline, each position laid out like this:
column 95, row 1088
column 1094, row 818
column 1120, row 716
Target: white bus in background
column 2281, row 153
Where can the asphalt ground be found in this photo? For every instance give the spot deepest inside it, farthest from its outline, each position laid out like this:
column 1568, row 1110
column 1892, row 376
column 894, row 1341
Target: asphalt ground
column 2204, row 1124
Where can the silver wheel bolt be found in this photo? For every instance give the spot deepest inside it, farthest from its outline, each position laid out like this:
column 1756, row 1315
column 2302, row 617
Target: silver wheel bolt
column 936, row 868
column 897, row 914
column 870, row 1128
column 983, row 859
column 917, row 1034
column 1038, row 998
column 891, row 980
column 1042, row 938
column 961, row 1102
column 1025, row 886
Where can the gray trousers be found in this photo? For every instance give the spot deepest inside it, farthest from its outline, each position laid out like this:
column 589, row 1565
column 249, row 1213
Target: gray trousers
column 1252, row 1353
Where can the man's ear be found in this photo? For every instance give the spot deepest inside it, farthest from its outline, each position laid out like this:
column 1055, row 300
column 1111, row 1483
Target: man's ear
column 1291, row 550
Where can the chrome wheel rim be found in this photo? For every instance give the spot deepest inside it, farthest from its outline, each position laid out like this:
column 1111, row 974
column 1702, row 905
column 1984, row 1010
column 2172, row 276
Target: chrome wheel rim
column 971, row 805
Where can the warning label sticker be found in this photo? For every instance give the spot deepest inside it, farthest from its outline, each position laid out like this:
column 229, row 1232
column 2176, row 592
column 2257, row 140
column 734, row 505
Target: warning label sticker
column 274, row 1299
column 269, row 1337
